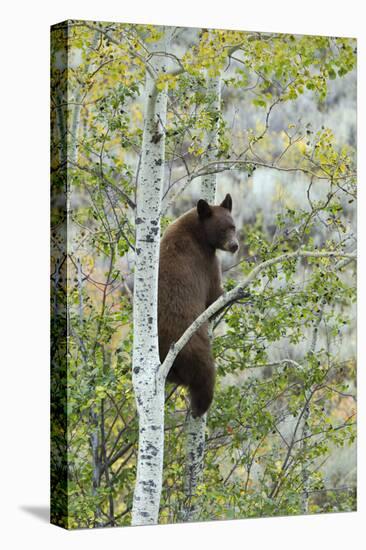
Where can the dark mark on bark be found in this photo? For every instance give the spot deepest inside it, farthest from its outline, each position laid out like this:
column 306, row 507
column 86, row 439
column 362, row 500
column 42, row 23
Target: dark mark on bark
column 154, row 451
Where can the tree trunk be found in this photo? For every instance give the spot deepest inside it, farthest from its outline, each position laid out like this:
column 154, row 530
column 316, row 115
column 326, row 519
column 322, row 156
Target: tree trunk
column 195, row 450
column 196, row 427
column 209, row 181
column 306, row 416
column 148, row 382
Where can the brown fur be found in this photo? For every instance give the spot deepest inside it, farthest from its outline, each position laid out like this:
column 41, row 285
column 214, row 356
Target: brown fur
column 189, row 281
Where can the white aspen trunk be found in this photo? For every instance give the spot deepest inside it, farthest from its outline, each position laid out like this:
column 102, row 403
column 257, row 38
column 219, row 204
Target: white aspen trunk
column 209, row 181
column 306, row 416
column 195, row 451
column 148, row 382
column 196, row 427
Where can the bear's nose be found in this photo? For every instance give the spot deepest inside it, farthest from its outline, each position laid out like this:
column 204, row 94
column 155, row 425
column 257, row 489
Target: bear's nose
column 233, row 247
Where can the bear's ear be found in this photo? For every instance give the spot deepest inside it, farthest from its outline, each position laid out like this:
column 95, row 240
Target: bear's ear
column 227, row 202
column 203, row 209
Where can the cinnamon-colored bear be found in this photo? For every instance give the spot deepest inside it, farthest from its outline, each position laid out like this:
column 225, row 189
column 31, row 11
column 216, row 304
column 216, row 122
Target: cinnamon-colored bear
column 189, row 282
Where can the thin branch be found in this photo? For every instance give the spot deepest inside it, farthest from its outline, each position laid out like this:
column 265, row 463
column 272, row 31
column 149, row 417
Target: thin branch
column 223, row 165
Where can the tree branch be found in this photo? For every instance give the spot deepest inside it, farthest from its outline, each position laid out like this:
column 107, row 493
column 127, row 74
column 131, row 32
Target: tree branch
column 235, row 294
column 223, row 165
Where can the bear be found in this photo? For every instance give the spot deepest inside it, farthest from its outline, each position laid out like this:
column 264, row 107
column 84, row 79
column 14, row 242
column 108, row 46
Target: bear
column 189, row 282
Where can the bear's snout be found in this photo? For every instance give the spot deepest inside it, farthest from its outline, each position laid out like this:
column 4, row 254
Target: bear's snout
column 233, row 247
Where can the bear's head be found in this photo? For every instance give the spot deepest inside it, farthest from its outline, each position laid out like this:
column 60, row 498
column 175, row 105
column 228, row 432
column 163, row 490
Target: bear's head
column 218, row 224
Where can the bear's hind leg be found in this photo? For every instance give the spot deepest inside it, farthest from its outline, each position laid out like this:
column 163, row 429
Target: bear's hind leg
column 201, row 390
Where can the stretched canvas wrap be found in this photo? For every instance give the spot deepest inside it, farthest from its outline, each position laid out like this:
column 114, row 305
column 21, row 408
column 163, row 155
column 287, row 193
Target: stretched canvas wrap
column 203, row 247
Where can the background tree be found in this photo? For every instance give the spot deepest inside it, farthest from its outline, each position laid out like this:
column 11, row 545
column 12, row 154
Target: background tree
column 282, row 407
